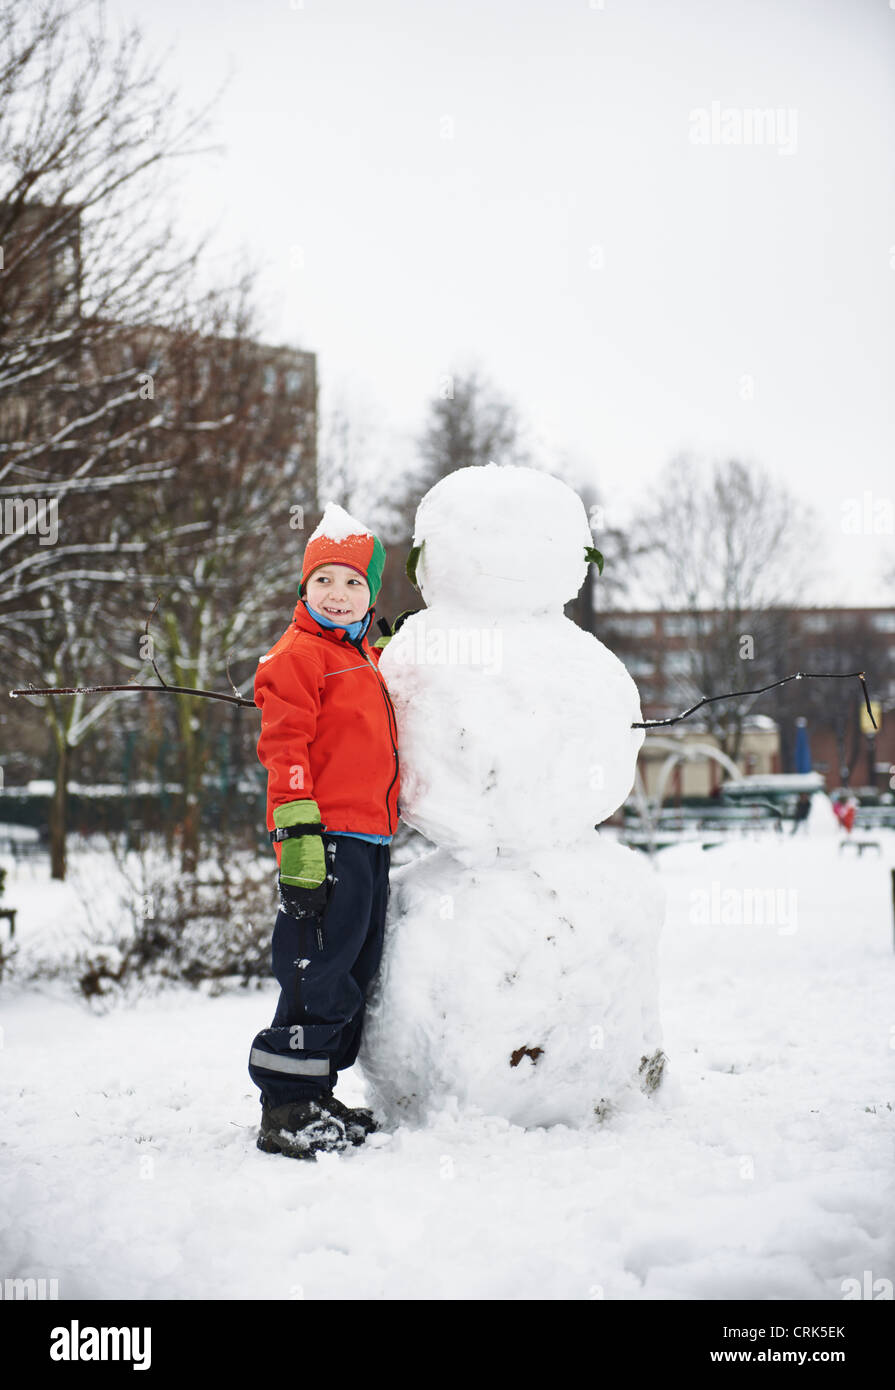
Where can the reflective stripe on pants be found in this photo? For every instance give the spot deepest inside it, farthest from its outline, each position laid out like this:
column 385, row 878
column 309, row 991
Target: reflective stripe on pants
column 324, row 978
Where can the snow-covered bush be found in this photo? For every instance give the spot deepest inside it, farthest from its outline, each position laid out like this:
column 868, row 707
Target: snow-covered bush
column 7, row 948
column 214, row 924
column 145, row 924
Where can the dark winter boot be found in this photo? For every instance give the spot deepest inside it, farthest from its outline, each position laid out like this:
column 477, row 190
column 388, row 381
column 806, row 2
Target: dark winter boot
column 358, row 1122
column 302, row 1129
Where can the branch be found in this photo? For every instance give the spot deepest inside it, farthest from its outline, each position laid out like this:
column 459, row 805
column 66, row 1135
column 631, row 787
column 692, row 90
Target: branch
column 237, row 699
column 156, row 689
column 799, row 675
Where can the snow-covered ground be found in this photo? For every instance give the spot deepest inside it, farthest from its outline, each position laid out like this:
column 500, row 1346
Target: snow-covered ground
column 761, row 1170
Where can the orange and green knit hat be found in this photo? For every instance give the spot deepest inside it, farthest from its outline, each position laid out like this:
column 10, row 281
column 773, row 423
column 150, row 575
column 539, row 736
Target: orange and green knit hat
column 340, row 540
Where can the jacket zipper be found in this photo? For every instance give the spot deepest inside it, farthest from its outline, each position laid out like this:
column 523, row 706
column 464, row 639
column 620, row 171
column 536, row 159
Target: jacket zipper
column 388, row 707
column 357, row 644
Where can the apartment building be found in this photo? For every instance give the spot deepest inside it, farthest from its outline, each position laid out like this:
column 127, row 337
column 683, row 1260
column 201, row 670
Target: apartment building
column 672, row 656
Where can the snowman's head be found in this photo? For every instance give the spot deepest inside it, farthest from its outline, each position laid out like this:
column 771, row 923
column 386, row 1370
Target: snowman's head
column 501, row 539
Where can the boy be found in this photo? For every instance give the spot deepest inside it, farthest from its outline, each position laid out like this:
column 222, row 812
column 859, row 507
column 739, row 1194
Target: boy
column 329, row 741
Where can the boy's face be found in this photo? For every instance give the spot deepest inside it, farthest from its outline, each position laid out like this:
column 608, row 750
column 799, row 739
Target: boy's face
column 340, row 592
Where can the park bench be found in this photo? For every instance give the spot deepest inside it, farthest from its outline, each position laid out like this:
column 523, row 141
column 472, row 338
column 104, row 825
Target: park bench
column 25, row 849
column 8, row 912
column 875, row 818
column 860, row 845
column 706, row 825
column 21, row 842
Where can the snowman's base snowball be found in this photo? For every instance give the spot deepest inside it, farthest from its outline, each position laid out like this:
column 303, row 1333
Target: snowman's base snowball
column 526, row 990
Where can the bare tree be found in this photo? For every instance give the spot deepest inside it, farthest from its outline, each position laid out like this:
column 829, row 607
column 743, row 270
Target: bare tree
column 469, row 423
column 729, row 549
column 222, row 535
column 88, row 132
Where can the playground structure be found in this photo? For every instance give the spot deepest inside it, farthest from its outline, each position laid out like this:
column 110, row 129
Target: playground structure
column 746, row 803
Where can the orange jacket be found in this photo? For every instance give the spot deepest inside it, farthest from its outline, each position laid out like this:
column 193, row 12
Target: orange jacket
column 328, row 728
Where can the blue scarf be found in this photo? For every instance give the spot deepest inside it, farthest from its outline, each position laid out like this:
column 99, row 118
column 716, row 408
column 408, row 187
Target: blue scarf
column 351, row 628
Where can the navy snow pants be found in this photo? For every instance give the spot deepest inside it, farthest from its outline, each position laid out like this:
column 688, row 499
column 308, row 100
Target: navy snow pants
column 324, row 967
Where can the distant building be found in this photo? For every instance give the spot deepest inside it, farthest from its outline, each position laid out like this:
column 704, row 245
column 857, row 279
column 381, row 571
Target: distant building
column 657, row 646
column 46, row 236
column 208, row 377
column 41, row 294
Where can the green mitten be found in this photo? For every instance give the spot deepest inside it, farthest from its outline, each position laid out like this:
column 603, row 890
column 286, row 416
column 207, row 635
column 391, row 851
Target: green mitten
column 302, row 860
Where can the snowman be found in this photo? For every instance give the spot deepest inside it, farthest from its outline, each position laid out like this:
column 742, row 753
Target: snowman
column 518, row 976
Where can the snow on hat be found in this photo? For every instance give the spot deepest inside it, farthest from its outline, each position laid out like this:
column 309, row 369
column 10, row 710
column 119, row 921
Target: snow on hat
column 340, row 540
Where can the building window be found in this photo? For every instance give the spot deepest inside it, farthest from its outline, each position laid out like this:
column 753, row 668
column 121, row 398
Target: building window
column 677, row 663
column 632, row 627
column 883, row 622
column 679, row 625
column 639, row 665
column 815, row 622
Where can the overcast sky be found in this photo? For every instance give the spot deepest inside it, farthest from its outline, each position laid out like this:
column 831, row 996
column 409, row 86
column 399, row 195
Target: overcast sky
column 574, row 196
